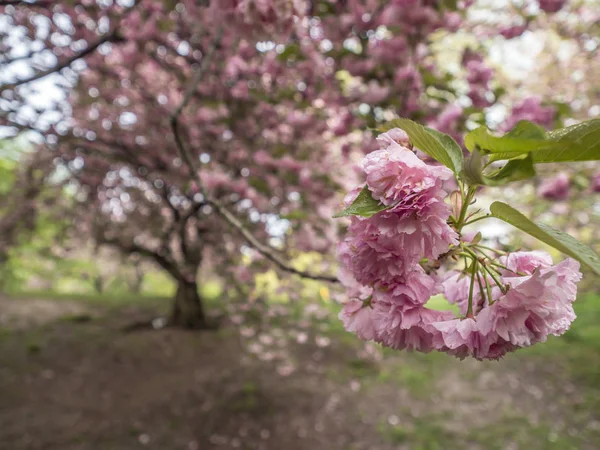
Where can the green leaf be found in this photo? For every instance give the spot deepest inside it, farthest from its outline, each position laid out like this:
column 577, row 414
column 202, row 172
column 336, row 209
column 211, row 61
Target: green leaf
column 517, row 169
column 557, row 239
column 528, row 130
column 364, row 205
column 579, row 142
column 525, row 137
column 448, row 142
column 473, row 168
column 439, row 146
column 514, row 170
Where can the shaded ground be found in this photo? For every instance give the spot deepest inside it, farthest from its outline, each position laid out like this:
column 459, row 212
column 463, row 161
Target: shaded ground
column 72, row 379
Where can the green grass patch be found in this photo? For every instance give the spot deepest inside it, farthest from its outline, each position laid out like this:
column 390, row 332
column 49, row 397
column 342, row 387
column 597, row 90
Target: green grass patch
column 420, row 434
column 439, row 303
column 579, row 348
column 517, row 432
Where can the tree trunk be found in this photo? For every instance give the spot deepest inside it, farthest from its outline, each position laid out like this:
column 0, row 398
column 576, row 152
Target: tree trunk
column 188, row 311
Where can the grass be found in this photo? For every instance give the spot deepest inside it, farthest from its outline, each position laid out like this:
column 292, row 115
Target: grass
column 210, row 292
column 517, row 432
column 421, row 434
column 579, row 348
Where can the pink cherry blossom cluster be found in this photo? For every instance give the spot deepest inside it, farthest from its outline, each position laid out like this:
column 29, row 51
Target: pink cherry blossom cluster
column 525, row 298
column 536, row 302
column 555, row 188
column 532, row 109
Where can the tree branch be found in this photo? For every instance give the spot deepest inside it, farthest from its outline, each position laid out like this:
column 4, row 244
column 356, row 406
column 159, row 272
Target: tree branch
column 111, row 36
column 265, row 250
column 204, row 66
column 66, row 63
column 40, row 3
column 163, row 261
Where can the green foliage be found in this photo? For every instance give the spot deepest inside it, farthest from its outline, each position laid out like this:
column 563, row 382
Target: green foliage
column 439, row 146
column 557, row 239
column 364, row 205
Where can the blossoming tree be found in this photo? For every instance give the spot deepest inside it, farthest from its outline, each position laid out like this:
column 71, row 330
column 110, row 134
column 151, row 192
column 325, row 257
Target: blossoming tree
column 195, row 130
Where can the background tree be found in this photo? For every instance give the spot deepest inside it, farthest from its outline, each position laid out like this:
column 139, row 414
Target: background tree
column 187, row 126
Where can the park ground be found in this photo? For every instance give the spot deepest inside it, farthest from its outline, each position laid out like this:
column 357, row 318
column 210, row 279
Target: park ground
column 75, row 376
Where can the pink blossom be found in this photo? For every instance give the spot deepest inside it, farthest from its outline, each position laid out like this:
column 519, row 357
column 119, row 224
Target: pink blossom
column 357, row 317
column 453, row 21
column 535, row 306
column 354, row 290
column 531, row 109
column 555, row 188
column 552, row 6
column 390, row 51
column 375, row 93
column 513, row 31
column 382, row 249
column 525, row 262
column 412, row 288
column 447, row 121
column 419, row 231
column 596, row 183
column 386, row 246
column 478, row 72
column 401, row 327
column 396, row 174
column 395, row 135
column 372, row 258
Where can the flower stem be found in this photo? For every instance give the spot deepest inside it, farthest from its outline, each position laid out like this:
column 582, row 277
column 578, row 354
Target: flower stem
column 465, row 207
column 484, row 253
column 502, row 266
column 488, row 289
column 495, row 278
column 500, row 252
column 481, row 291
column 473, row 272
column 476, row 220
column 488, row 270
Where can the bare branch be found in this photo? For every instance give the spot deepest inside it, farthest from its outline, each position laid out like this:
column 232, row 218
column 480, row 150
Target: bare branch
column 204, row 66
column 64, row 64
column 265, row 250
column 111, row 36
column 130, row 248
column 40, row 3
column 6, row 60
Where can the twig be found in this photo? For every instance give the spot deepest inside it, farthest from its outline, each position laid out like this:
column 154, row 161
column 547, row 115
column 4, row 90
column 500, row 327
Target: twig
column 265, row 250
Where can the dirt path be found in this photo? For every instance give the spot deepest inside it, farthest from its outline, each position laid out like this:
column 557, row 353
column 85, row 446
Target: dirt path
column 66, row 385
